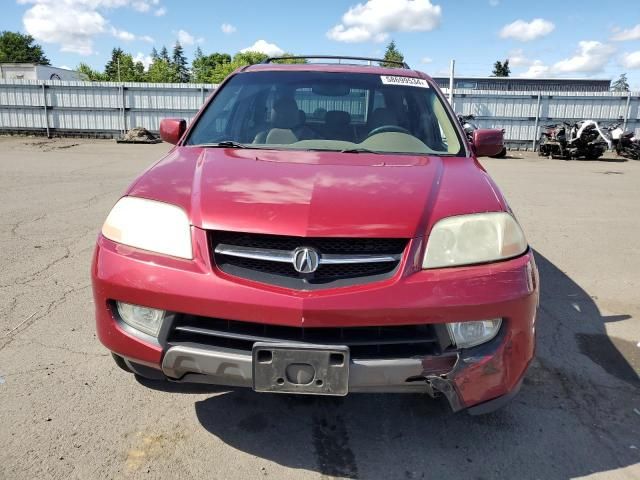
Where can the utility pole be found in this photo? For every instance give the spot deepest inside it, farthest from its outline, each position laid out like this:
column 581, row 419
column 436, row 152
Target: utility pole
column 451, row 73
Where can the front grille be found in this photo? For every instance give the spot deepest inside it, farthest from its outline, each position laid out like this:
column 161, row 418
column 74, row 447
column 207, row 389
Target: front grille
column 364, row 342
column 327, row 275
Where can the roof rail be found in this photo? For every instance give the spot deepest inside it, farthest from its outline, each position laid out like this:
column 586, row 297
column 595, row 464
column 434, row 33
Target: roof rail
column 335, row 57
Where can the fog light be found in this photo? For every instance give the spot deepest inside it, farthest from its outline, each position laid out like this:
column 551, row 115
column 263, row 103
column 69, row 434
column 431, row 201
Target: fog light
column 144, row 319
column 470, row 334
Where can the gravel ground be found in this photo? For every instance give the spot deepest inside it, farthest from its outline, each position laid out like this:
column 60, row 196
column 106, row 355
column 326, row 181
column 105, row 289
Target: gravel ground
column 66, row 410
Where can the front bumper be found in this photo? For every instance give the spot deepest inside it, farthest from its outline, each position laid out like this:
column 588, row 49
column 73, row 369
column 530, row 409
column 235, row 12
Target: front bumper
column 467, row 378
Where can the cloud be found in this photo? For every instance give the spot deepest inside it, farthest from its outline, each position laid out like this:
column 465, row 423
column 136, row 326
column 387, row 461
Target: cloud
column 265, row 47
column 73, row 24
column 160, row 12
column 122, row 35
column 494, row 3
column 626, row 35
column 630, row 60
column 526, row 31
column 376, row 19
column 591, row 57
column 426, row 60
column 185, row 38
column 145, row 59
column 517, row 58
column 537, row 69
column 228, row 28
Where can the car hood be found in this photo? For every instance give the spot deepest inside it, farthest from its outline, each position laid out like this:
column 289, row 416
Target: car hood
column 317, row 193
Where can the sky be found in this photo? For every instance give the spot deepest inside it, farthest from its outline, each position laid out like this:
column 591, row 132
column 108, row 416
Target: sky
column 584, row 38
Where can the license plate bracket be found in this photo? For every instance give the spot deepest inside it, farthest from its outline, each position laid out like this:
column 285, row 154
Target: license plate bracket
column 300, row 368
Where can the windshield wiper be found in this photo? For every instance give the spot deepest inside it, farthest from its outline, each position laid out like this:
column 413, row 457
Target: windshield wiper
column 224, row 144
column 358, row 150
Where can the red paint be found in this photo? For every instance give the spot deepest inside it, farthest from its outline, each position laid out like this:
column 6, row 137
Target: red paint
column 322, row 194
column 488, row 141
column 172, row 129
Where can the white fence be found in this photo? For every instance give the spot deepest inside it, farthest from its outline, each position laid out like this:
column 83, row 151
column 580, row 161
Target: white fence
column 109, row 109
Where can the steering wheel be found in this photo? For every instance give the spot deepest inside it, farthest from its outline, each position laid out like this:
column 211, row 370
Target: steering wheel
column 388, row 128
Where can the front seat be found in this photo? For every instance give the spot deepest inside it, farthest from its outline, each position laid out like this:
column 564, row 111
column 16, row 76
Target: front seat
column 337, row 126
column 285, row 116
column 381, row 117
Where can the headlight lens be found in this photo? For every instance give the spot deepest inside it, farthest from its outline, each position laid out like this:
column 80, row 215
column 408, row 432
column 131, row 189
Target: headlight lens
column 475, row 238
column 150, row 225
column 144, row 319
column 470, row 334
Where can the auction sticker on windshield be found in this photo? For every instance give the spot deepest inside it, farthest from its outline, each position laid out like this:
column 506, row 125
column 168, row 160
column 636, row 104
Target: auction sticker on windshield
column 405, row 81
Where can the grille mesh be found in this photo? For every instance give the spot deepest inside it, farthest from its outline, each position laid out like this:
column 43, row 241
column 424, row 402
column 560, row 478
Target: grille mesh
column 284, row 274
column 363, row 342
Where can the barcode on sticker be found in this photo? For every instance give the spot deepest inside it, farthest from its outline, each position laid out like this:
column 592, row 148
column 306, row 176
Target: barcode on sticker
column 406, row 81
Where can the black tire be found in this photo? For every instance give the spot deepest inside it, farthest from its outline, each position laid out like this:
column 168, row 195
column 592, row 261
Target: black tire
column 502, row 154
column 121, row 363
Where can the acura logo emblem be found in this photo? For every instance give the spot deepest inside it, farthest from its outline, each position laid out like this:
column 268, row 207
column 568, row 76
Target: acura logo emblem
column 305, row 260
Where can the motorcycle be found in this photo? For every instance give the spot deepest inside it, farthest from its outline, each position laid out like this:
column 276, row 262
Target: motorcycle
column 624, row 143
column 584, row 139
column 468, row 126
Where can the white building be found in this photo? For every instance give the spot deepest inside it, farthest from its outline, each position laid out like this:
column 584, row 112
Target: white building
column 31, row 71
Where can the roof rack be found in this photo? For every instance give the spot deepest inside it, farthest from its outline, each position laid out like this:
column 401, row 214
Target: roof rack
column 336, row 57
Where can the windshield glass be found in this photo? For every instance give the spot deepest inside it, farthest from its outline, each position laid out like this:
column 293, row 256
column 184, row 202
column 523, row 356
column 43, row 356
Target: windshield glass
column 351, row 112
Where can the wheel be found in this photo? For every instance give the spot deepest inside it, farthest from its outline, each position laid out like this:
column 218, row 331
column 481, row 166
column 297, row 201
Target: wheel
column 388, row 128
column 502, row 154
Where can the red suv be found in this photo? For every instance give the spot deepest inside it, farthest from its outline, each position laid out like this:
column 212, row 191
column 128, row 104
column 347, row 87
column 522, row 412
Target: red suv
column 321, row 228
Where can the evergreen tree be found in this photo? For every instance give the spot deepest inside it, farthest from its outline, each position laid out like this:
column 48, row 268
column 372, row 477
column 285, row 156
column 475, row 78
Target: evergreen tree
column 179, row 63
column 154, row 53
column 391, row 56
column 164, row 54
column 501, row 69
column 621, row 85
column 122, row 68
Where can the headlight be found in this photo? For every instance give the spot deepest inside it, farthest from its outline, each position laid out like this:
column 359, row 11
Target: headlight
column 475, row 238
column 150, row 225
column 470, row 334
column 144, row 319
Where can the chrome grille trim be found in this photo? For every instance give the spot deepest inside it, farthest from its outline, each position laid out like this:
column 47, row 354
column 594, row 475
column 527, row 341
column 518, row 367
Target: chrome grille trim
column 286, row 256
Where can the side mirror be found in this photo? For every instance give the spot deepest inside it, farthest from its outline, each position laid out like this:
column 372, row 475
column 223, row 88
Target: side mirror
column 172, row 129
column 488, row 142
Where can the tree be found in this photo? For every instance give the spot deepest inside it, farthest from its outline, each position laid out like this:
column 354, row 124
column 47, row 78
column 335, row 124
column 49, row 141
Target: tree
column 291, row 61
column 18, row 48
column 154, row 53
column 179, row 63
column 203, row 66
column 164, row 54
column 392, row 55
column 501, row 69
column 621, row 85
column 91, row 74
column 160, row 71
column 122, row 68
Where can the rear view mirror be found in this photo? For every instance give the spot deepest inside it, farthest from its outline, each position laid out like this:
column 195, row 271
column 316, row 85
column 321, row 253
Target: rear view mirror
column 331, row 89
column 172, row 129
column 488, row 141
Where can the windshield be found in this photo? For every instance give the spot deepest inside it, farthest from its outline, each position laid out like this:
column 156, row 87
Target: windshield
column 347, row 112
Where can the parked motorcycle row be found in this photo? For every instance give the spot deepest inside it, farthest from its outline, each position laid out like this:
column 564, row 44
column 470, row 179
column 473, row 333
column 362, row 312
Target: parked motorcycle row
column 586, row 139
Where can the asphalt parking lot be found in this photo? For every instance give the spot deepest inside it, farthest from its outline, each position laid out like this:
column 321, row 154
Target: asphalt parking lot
column 67, row 411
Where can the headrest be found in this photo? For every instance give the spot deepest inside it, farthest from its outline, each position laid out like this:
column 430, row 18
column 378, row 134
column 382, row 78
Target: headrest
column 337, row 117
column 285, row 113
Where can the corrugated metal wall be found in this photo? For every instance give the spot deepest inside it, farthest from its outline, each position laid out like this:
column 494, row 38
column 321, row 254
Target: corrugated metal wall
column 107, row 108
